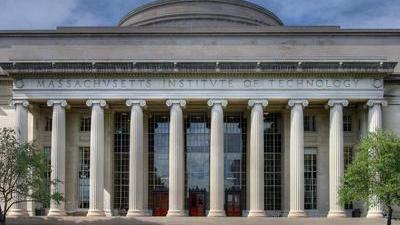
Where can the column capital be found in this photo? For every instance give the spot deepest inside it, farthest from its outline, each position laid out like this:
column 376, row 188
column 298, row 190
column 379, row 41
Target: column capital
column 213, row 102
column 333, row 102
column 52, row 102
column 373, row 102
column 24, row 103
column 180, row 102
column 262, row 102
column 92, row 102
column 132, row 102
column 294, row 102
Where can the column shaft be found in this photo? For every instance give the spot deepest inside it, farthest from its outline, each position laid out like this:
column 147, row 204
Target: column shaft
column 297, row 158
column 21, row 133
column 96, row 191
column 176, row 159
column 58, row 154
column 217, row 188
column 374, row 125
column 257, row 158
column 136, row 191
column 336, row 157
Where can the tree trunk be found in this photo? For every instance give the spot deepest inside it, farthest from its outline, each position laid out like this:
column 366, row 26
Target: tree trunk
column 389, row 216
column 3, row 220
column 2, row 217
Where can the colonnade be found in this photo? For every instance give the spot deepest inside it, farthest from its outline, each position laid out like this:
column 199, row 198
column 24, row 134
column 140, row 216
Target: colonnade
column 176, row 155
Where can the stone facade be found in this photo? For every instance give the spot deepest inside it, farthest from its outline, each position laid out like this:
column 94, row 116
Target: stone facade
column 247, row 62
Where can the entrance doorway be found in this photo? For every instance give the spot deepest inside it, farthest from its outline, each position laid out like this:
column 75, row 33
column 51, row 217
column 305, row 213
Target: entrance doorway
column 233, row 204
column 160, row 203
column 197, row 203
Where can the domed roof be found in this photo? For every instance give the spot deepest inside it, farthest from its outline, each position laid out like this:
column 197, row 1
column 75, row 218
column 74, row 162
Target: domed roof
column 200, row 13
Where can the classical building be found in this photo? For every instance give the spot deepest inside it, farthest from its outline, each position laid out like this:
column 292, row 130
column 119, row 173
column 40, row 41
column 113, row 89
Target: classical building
column 199, row 108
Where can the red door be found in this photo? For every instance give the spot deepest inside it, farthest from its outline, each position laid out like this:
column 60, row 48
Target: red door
column 197, row 204
column 233, row 204
column 160, row 203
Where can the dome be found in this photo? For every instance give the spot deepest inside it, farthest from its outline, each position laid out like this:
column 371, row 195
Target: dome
column 200, row 13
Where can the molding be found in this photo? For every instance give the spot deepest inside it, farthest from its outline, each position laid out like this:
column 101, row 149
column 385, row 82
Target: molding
column 180, row 102
column 63, row 103
column 252, row 102
column 24, row 103
column 92, row 102
column 294, row 102
column 213, row 102
column 373, row 102
column 132, row 102
column 333, row 102
column 354, row 66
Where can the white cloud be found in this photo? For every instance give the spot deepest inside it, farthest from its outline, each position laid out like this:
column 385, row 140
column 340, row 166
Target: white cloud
column 41, row 14
column 48, row 14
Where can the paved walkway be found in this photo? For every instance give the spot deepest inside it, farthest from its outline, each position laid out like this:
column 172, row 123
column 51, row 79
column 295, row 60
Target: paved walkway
column 194, row 221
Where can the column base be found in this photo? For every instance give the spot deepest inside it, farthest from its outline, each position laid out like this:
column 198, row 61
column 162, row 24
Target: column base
column 18, row 213
column 95, row 213
column 257, row 213
column 336, row 214
column 296, row 214
column 136, row 213
column 56, row 213
column 216, row 213
column 375, row 214
column 176, row 213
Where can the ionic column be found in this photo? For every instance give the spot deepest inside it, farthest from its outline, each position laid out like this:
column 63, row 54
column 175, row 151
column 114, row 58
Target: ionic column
column 136, row 158
column 336, row 157
column 217, row 188
column 176, row 159
column 96, row 182
column 257, row 158
column 297, row 158
column 21, row 133
column 374, row 125
column 58, row 154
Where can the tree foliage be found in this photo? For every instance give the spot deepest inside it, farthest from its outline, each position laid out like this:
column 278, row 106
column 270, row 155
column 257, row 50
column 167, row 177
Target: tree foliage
column 23, row 174
column 374, row 172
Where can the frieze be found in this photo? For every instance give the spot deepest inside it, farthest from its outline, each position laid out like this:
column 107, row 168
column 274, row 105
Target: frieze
column 196, row 84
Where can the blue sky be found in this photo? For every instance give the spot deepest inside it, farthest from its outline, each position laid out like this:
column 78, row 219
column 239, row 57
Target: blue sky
column 48, row 14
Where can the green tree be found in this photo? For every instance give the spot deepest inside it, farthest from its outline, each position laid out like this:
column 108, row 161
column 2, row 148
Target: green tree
column 23, row 170
column 374, row 172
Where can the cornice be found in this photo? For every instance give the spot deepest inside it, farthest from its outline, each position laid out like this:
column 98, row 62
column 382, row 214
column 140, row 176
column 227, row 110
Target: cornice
column 292, row 66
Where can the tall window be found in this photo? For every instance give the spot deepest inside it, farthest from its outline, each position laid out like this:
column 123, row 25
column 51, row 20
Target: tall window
column 197, row 128
column 85, row 123
column 49, row 124
column 47, row 175
column 84, row 175
column 347, row 123
column 235, row 163
column 158, row 164
column 310, row 179
column 121, row 162
column 348, row 158
column 310, row 124
column 272, row 161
